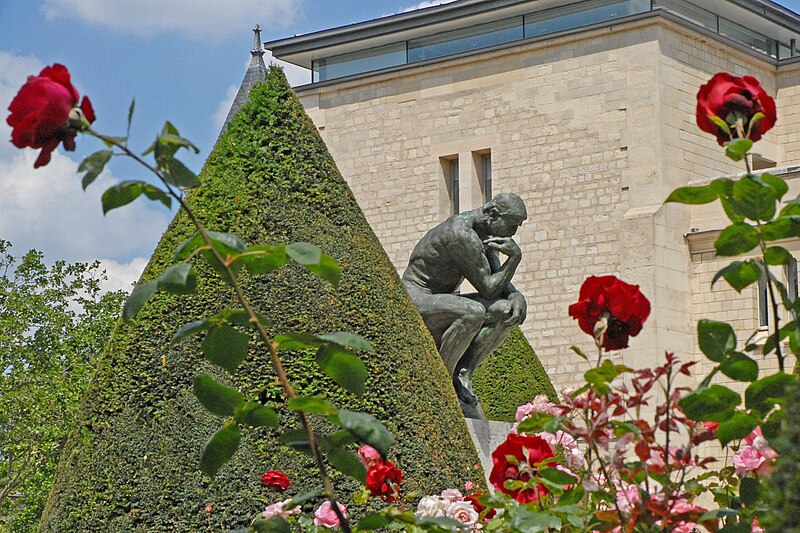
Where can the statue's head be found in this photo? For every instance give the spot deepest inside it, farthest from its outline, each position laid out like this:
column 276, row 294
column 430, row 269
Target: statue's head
column 505, row 213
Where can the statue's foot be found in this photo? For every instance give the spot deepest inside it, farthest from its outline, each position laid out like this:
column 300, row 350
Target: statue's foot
column 465, row 395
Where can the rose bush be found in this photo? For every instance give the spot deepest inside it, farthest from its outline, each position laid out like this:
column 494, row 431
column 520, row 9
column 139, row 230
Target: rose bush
column 516, row 463
column 728, row 100
column 44, row 113
column 383, row 480
column 620, row 308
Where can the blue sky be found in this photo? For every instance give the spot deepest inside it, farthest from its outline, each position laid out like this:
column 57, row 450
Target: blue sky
column 181, row 59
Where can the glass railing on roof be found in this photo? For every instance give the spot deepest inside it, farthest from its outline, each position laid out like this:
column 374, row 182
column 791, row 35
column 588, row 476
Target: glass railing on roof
column 540, row 23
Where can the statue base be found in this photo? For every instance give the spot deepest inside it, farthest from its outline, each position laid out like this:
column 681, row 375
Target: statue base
column 486, row 436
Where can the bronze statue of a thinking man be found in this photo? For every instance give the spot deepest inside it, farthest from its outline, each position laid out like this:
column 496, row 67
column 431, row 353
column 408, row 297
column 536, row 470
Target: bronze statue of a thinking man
column 468, row 327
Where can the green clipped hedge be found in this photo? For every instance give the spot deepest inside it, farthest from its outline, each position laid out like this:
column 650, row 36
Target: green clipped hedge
column 510, row 377
column 132, row 463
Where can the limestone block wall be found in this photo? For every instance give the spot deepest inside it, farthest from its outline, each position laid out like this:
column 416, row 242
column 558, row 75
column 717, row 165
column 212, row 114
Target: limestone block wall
column 788, row 102
column 592, row 129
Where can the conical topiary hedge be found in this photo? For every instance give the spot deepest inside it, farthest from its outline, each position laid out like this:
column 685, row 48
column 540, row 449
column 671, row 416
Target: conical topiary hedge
column 511, row 376
column 132, row 463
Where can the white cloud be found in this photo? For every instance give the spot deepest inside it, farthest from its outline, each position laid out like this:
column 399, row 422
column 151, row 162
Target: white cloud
column 197, row 19
column 224, row 106
column 47, row 209
column 424, row 4
column 122, row 275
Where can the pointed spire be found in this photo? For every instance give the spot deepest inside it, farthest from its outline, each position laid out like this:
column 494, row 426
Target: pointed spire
column 256, row 71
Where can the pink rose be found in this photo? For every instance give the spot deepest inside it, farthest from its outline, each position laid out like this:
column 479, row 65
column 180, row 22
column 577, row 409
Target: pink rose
column 368, row 455
column 452, row 495
column 283, row 509
column 462, row 512
column 325, row 516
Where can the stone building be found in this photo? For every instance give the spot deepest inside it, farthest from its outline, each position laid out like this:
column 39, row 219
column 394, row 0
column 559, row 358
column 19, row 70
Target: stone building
column 587, row 111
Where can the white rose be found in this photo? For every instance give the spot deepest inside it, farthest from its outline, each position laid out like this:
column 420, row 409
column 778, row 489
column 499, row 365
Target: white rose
column 431, row 507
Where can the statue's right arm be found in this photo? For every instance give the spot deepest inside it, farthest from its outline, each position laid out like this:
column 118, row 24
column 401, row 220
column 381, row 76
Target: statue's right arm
column 474, row 265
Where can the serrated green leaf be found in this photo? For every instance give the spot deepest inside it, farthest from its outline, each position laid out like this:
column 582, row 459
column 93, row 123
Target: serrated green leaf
column 367, row 429
column 740, row 274
column 736, row 427
column 740, row 367
column 190, row 328
column 127, row 191
column 777, row 255
column 262, row 258
column 313, row 404
column 343, row 367
column 276, row 524
column 532, row 522
column 716, row 339
column 137, row 298
column 754, row 198
column 217, row 398
column 776, row 182
column 710, row 404
column 374, row 521
column 256, row 415
column 557, row 477
column 176, row 173
column 737, row 149
column 220, row 448
column 693, row 195
column 763, row 394
column 300, row 498
column 225, row 347
column 347, row 463
column 350, row 340
column 93, row 166
column 297, row 341
column 736, row 239
column 304, row 253
column 178, row 279
column 782, row 227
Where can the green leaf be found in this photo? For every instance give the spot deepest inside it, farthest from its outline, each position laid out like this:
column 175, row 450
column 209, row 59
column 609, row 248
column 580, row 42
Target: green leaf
column 138, row 297
column 256, row 415
column 713, row 404
column 300, row 498
column 772, row 427
column 298, row 341
column 176, row 173
column 130, row 115
column 262, row 258
column 694, row 195
column 346, row 369
column 716, row 339
column 740, row 367
column 313, row 404
column 374, row 521
column 580, row 352
column 532, row 522
column 782, row 227
column 740, row 274
column 777, row 255
column 738, row 426
column 315, row 261
column 127, row 191
column 763, row 394
column 754, row 199
column 111, row 142
column 753, row 121
column 720, row 123
column 777, row 183
column 220, row 448
column 737, row 148
column 736, row 239
column 178, row 279
column 749, row 489
column 276, row 524
column 225, row 243
column 600, row 376
column 216, row 397
column 557, row 477
column 93, row 166
column 350, row 340
column 190, row 328
column 730, row 209
column 225, row 347
column 367, row 429
column 347, row 463
column 536, row 422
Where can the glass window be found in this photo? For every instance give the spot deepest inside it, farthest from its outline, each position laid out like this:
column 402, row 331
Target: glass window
column 466, row 39
column 694, row 14
column 357, row 62
column 486, row 176
column 763, row 302
column 581, row 14
column 754, row 40
column 784, row 51
column 453, row 188
column 791, row 281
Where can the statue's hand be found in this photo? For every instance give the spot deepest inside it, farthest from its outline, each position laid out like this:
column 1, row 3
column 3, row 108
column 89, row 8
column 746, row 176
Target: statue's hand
column 504, row 245
column 519, row 309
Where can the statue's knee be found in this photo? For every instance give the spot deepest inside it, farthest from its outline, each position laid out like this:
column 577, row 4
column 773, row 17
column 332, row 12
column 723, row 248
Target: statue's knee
column 499, row 311
column 475, row 315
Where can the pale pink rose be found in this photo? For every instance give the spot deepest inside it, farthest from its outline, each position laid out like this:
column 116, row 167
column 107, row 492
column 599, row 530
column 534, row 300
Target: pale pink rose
column 747, row 460
column 755, row 527
column 452, row 495
column 757, row 441
column 681, row 506
column 569, row 446
column 368, row 455
column 283, row 509
column 325, row 516
column 468, row 486
column 684, row 527
column 462, row 512
column 540, row 404
column 431, row 507
column 627, row 496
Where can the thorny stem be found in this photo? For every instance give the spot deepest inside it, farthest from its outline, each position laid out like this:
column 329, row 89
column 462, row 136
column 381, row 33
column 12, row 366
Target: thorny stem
column 283, row 378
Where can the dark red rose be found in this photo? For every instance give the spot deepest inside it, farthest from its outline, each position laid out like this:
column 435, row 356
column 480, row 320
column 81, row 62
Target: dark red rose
column 383, row 480
column 40, row 113
column 731, row 98
column 478, row 506
column 624, row 305
column 275, row 480
column 529, row 452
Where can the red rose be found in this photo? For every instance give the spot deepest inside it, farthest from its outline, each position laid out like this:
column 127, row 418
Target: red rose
column 730, row 99
column 275, row 480
column 383, row 480
column 529, row 452
column 40, row 113
column 622, row 304
column 478, row 506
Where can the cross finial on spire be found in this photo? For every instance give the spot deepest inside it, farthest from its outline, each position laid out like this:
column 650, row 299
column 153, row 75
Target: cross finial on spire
column 257, row 50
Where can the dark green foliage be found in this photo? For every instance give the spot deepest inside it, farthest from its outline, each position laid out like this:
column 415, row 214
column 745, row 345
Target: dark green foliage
column 133, row 462
column 510, row 377
column 781, row 490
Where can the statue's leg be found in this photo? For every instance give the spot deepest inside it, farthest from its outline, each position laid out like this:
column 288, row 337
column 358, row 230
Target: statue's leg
column 488, row 339
column 452, row 320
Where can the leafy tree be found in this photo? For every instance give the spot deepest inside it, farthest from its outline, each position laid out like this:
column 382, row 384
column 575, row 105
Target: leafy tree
column 54, row 321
